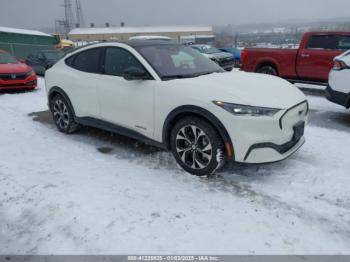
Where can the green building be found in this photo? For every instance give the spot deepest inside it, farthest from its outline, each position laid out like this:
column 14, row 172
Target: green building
column 20, row 43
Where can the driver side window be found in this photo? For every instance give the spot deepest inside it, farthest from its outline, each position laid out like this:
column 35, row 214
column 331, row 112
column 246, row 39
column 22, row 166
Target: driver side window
column 117, row 60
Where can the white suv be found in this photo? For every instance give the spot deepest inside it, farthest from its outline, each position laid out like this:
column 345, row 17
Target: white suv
column 338, row 90
column 171, row 96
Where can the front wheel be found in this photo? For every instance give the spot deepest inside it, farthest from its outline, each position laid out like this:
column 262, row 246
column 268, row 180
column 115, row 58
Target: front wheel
column 63, row 115
column 197, row 146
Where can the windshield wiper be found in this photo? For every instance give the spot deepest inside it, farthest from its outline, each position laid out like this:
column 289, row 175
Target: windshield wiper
column 187, row 76
column 179, row 76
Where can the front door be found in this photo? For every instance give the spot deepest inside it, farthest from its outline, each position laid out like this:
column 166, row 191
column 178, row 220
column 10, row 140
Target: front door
column 129, row 104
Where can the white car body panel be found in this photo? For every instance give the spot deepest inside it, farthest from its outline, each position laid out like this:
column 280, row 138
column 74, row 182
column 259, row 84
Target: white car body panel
column 340, row 80
column 129, row 104
column 143, row 106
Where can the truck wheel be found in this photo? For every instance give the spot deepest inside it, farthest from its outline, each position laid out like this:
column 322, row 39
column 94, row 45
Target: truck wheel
column 267, row 70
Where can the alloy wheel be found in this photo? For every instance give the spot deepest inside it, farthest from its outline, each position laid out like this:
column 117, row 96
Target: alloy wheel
column 194, row 147
column 61, row 114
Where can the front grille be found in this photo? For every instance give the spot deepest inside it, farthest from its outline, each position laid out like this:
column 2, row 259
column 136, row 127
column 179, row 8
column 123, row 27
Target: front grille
column 17, row 76
column 226, row 61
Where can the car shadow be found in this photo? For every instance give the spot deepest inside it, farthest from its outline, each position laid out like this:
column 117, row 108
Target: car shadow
column 330, row 119
column 15, row 91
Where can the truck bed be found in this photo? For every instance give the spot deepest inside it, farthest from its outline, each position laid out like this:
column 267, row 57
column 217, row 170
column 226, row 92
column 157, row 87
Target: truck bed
column 285, row 59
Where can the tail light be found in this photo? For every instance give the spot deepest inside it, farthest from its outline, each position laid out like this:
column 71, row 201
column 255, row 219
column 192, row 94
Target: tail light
column 339, row 65
column 244, row 55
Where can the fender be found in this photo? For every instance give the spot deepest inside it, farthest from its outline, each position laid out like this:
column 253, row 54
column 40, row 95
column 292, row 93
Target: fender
column 195, row 110
column 60, row 91
column 265, row 60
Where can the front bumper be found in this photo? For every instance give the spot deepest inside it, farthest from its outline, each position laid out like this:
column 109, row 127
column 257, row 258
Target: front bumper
column 337, row 97
column 258, row 140
column 28, row 83
column 227, row 65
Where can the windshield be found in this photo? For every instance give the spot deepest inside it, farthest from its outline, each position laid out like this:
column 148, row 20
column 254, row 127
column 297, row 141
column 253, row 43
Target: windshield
column 207, row 49
column 176, row 61
column 6, row 58
column 54, row 55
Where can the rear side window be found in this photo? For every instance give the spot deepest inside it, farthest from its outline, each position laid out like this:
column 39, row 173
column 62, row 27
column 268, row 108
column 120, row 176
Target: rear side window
column 118, row 59
column 328, row 42
column 344, row 42
column 86, row 61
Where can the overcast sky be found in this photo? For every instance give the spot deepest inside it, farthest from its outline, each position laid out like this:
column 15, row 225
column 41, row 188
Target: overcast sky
column 42, row 13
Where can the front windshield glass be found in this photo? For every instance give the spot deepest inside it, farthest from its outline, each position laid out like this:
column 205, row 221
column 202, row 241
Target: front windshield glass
column 207, row 49
column 176, row 61
column 54, row 55
column 211, row 50
column 6, row 58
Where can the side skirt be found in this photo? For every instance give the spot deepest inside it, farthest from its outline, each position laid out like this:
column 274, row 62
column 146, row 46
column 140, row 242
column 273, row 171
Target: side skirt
column 97, row 123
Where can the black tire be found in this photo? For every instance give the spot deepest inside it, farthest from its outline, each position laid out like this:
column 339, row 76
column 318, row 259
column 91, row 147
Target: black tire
column 192, row 153
column 267, row 70
column 62, row 115
column 228, row 69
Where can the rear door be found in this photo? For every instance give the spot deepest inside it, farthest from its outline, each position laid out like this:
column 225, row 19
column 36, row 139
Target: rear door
column 316, row 60
column 82, row 81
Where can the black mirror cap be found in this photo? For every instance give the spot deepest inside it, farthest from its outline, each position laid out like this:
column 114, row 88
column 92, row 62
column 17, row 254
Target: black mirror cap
column 135, row 73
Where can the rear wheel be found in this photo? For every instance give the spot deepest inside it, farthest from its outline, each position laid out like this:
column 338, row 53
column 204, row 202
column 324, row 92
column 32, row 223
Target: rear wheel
column 63, row 115
column 267, row 70
column 197, row 146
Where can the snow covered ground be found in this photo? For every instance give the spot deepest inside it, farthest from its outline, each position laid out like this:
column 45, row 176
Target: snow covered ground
column 97, row 193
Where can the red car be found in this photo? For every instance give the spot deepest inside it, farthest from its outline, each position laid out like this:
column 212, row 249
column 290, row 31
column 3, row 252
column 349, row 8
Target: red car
column 312, row 62
column 15, row 74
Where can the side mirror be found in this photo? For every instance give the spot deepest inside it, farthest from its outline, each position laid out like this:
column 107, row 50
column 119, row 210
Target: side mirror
column 135, row 73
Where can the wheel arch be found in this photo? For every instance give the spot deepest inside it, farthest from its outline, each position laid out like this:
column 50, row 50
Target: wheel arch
column 59, row 91
column 267, row 62
column 189, row 110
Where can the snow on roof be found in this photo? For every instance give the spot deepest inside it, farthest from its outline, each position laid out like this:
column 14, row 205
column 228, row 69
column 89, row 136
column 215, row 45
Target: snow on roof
column 21, row 31
column 136, row 30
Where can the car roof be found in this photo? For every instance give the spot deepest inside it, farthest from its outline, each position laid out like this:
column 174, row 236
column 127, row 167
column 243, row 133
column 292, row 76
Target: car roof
column 132, row 43
column 146, row 42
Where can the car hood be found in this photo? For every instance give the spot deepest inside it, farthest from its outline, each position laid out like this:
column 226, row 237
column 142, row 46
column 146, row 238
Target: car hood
column 221, row 55
column 243, row 88
column 14, row 68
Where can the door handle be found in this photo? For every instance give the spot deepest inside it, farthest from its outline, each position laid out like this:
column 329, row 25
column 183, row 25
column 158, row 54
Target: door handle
column 305, row 55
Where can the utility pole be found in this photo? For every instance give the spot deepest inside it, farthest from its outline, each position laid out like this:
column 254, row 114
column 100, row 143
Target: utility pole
column 69, row 17
column 79, row 14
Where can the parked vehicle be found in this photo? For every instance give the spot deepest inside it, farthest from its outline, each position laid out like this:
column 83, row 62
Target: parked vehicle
column 223, row 59
column 338, row 90
column 42, row 60
column 15, row 74
column 171, row 96
column 236, row 54
column 310, row 63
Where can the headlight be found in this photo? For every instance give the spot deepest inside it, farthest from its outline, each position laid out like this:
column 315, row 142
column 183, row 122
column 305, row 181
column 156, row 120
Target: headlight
column 30, row 73
column 247, row 110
